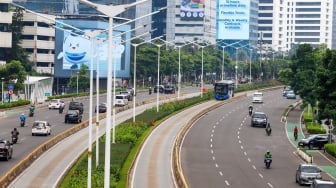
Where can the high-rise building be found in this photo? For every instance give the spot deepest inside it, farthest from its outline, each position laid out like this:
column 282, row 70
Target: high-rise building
column 5, row 34
column 284, row 23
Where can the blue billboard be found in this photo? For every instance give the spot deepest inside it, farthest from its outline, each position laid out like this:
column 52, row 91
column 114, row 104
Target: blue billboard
column 233, row 19
column 73, row 48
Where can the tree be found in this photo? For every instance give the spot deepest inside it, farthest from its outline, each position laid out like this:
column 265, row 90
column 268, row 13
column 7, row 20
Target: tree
column 83, row 79
column 17, row 52
column 14, row 72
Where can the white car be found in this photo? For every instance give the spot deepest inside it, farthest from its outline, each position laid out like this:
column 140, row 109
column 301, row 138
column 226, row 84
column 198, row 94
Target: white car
column 56, row 104
column 121, row 100
column 257, row 97
column 41, row 128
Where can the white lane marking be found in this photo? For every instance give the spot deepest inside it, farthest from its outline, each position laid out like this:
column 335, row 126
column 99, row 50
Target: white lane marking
column 211, row 135
column 210, row 145
column 210, row 139
column 249, row 160
column 245, row 153
column 227, row 183
column 220, row 173
column 213, row 130
column 214, row 127
column 261, row 175
column 238, row 136
column 217, row 123
column 237, row 132
column 269, row 184
column 241, row 147
column 254, row 167
column 239, row 128
column 216, row 165
column 212, row 151
column 239, row 141
column 213, row 158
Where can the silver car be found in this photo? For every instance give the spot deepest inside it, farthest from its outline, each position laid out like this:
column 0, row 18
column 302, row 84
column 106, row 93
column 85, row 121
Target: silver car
column 307, row 173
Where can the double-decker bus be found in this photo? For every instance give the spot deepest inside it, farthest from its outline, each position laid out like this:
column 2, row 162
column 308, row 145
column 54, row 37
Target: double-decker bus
column 222, row 89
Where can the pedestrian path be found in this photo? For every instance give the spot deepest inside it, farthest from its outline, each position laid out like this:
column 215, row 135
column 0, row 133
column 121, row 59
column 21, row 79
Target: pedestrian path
column 325, row 162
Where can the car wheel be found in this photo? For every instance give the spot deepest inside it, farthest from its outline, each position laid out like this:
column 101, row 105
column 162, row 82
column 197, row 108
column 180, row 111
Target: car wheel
column 32, row 134
column 65, row 121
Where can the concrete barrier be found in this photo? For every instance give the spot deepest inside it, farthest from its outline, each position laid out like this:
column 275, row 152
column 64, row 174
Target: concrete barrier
column 306, row 157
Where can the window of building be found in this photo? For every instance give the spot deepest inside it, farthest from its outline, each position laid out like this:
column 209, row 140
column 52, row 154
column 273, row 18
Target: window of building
column 4, row 27
column 265, row 14
column 263, row 28
column 265, row 21
column 307, row 21
column 42, row 24
column 27, row 37
column 307, row 15
column 265, row 7
column 45, row 38
column 28, row 23
column 307, row 27
column 267, row 34
column 307, row 33
column 308, row 3
column 308, row 9
column 307, row 40
column 265, row 1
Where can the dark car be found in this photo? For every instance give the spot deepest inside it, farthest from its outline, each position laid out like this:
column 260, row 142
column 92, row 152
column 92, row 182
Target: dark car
column 259, row 119
column 73, row 116
column 168, row 89
column 76, row 106
column 161, row 89
column 314, row 141
column 6, row 149
column 307, row 173
column 102, row 107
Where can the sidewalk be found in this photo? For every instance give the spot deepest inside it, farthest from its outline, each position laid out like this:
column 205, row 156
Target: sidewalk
column 323, row 160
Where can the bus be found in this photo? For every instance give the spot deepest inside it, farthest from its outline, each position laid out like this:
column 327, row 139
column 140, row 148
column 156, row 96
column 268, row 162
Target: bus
column 222, row 89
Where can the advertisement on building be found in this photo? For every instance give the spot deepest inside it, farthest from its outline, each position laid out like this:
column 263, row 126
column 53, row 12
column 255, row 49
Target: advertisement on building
column 73, row 48
column 233, row 17
column 192, row 10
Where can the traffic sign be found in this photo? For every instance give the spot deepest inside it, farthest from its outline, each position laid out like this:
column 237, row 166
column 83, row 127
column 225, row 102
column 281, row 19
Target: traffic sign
column 10, row 92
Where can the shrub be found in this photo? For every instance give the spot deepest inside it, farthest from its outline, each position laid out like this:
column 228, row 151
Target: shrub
column 331, row 149
column 314, row 128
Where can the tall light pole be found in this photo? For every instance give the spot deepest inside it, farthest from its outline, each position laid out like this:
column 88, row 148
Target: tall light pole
column 134, row 70
column 2, row 94
column 250, row 65
column 77, row 83
column 236, row 67
column 110, row 11
column 158, row 77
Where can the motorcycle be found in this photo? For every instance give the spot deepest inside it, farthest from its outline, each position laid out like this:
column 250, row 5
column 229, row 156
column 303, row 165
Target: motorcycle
column 268, row 162
column 31, row 113
column 250, row 111
column 22, row 123
column 14, row 139
column 268, row 131
column 150, row 91
column 60, row 110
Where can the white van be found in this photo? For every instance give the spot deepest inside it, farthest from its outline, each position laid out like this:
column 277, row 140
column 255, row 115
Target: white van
column 257, row 97
column 121, row 100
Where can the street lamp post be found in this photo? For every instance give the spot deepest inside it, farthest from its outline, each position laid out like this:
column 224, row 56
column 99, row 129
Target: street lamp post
column 77, row 83
column 158, row 78
column 250, row 65
column 236, row 67
column 134, row 71
column 2, row 94
column 110, row 11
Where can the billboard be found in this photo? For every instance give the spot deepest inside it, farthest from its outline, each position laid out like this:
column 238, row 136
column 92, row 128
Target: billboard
column 233, row 17
column 73, row 48
column 192, row 10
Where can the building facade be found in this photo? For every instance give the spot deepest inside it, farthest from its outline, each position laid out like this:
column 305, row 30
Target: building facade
column 5, row 34
column 284, row 23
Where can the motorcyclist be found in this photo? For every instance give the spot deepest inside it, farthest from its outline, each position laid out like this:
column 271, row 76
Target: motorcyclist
column 60, row 109
column 15, row 135
column 31, row 110
column 296, row 130
column 150, row 90
column 15, row 132
column 22, row 119
column 268, row 155
column 250, row 109
column 268, row 128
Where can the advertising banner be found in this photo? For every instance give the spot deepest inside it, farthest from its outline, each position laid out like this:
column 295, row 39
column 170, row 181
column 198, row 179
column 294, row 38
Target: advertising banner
column 192, row 10
column 73, row 49
column 233, row 17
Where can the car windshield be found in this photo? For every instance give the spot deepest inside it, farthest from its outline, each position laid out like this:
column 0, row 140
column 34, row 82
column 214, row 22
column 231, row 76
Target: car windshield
column 73, row 112
column 257, row 95
column 39, row 124
column 54, row 101
column 259, row 116
column 119, row 97
column 310, row 169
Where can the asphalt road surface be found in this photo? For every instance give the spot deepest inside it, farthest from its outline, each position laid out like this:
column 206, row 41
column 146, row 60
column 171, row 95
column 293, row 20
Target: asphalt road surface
column 28, row 143
column 223, row 150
